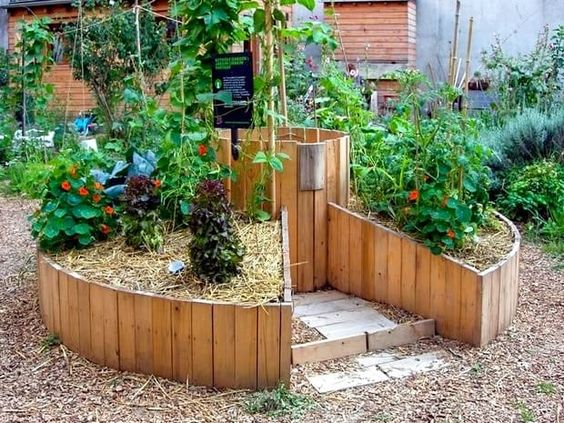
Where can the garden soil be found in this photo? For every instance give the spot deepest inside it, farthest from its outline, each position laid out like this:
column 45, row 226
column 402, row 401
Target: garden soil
column 518, row 377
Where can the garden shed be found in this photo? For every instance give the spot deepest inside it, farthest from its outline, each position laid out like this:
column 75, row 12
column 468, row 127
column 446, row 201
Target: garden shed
column 376, row 37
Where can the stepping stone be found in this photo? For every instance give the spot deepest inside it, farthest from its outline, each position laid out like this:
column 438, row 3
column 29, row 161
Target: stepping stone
column 350, row 303
column 375, row 359
column 413, row 365
column 338, row 381
column 317, row 297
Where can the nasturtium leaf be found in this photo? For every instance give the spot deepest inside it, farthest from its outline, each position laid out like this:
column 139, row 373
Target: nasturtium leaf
column 85, row 211
column 85, row 240
column 50, row 207
column 82, row 229
column 50, row 231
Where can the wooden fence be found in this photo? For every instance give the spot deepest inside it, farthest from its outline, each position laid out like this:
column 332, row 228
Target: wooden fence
column 200, row 342
column 316, row 173
column 375, row 263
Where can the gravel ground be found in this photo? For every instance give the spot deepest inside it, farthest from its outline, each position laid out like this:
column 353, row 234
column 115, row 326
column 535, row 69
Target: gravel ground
column 519, row 377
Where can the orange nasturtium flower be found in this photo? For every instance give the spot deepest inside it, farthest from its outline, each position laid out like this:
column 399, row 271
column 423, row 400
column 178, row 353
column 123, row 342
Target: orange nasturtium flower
column 109, row 210
column 451, row 234
column 413, row 195
column 83, row 192
column 105, row 229
column 98, row 186
column 96, row 198
column 202, row 150
column 65, row 186
column 157, row 183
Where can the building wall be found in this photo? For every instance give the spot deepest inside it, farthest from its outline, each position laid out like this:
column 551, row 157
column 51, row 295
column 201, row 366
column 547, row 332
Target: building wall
column 517, row 22
column 3, row 25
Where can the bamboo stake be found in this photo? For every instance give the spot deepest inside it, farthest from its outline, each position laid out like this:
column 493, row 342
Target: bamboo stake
column 283, row 96
column 455, row 42
column 269, row 73
column 467, row 75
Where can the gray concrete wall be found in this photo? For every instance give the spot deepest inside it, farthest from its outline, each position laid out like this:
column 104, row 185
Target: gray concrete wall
column 516, row 22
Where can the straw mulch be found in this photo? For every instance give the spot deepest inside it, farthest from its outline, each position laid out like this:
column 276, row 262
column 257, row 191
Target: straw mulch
column 114, row 263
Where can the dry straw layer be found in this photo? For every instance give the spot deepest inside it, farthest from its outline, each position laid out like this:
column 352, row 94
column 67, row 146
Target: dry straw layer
column 114, row 263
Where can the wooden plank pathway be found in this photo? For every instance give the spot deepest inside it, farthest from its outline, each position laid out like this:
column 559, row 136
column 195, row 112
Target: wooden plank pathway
column 337, row 315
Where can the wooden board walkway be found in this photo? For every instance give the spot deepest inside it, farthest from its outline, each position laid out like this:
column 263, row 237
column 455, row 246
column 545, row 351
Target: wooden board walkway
column 336, row 315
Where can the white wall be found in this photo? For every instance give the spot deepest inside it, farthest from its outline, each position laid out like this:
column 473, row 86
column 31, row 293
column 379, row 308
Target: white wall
column 517, row 22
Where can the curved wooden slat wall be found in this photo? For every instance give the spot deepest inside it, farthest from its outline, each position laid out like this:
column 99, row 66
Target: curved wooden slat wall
column 375, row 263
column 200, row 342
column 307, row 208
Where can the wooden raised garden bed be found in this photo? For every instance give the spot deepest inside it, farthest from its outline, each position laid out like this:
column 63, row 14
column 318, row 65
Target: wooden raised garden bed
column 200, row 342
column 316, row 174
column 375, row 263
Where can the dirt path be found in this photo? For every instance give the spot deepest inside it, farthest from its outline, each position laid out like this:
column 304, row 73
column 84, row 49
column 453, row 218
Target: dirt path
column 517, row 377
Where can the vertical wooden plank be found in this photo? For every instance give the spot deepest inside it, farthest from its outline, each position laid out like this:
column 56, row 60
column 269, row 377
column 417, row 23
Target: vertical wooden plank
column 285, row 343
column 438, row 295
column 408, row 264
column 355, row 255
column 368, row 254
column 343, row 239
column 41, row 285
column 494, row 304
column 332, row 171
column 202, row 344
column 97, row 323
column 182, row 341
column 320, row 233
column 268, row 346
column 422, row 282
column 144, row 333
column 73, row 335
column 516, row 284
column 84, row 317
column 246, row 345
column 504, row 294
column 252, row 172
column 162, row 337
column 394, row 269
column 48, row 308
column 453, row 289
column 469, row 312
column 332, row 246
column 64, row 306
column 55, row 301
column 343, row 172
column 306, row 254
column 289, row 198
column 380, row 251
column 485, row 300
column 126, row 324
column 224, row 345
column 111, row 327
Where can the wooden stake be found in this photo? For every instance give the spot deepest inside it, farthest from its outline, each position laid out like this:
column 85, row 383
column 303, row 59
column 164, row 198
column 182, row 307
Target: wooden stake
column 455, row 42
column 467, row 74
column 283, row 96
column 269, row 73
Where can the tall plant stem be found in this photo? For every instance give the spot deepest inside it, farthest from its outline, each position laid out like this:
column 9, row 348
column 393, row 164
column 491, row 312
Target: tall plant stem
column 269, row 74
column 467, row 72
column 454, row 57
column 283, row 96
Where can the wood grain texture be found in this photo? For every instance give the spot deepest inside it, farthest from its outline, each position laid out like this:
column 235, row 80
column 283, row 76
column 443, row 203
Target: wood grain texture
column 84, row 317
column 328, row 349
column 246, row 347
column 162, row 337
column 423, row 281
column 470, row 291
column 285, row 343
column 97, row 346
column 408, row 274
column 438, row 295
column 111, row 328
column 343, row 230
column 289, row 198
column 73, row 335
column 312, row 166
column 368, row 255
column 453, row 275
column 332, row 246
column 144, row 334
column 320, row 238
column 64, row 306
column 394, row 270
column 268, row 346
column 126, row 324
column 306, row 235
column 202, row 343
column 355, row 256
column 224, row 345
column 181, row 317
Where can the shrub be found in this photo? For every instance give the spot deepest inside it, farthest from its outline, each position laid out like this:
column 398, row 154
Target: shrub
column 142, row 226
column 74, row 211
column 532, row 135
column 534, row 191
column 425, row 172
column 216, row 251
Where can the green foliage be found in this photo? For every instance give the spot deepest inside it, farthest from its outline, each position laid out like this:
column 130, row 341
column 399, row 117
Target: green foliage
column 108, row 56
column 50, row 341
column 546, row 388
column 278, row 402
column 532, row 80
column 216, row 251
column 425, row 172
column 74, row 210
column 141, row 224
column 529, row 136
column 533, row 191
column 525, row 412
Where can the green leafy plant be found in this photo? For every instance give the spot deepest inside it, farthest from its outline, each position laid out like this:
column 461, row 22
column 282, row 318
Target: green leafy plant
column 426, row 172
column 546, row 388
column 216, row 251
column 525, row 412
column 49, row 342
column 533, row 191
column 278, row 402
column 74, row 210
column 141, row 223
